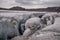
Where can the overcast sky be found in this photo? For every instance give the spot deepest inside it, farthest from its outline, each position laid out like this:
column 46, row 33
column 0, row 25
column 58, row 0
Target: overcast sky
column 29, row 3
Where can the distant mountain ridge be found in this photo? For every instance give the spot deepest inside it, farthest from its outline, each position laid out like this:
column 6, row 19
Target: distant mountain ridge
column 48, row 9
column 17, row 8
column 3, row 8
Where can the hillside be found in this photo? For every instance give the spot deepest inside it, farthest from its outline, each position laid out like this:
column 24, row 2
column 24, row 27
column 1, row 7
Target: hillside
column 48, row 9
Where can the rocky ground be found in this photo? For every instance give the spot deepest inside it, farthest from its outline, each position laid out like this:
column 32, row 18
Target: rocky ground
column 46, row 36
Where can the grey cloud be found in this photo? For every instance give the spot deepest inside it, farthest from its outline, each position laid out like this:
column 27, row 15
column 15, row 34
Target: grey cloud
column 39, row 2
column 52, row 3
column 29, row 3
column 7, row 3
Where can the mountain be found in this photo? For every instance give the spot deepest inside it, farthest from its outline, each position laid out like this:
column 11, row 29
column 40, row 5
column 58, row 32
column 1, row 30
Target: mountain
column 17, row 8
column 48, row 9
column 53, row 9
column 3, row 8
